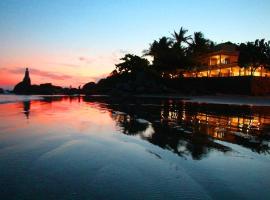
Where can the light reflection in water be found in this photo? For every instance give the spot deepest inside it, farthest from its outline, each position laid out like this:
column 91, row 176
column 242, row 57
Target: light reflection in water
column 187, row 129
column 192, row 128
column 183, row 128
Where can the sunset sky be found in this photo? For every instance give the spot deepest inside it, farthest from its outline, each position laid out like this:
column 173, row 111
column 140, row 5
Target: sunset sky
column 71, row 42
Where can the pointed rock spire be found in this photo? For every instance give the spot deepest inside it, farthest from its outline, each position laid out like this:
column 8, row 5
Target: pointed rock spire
column 26, row 78
column 24, row 87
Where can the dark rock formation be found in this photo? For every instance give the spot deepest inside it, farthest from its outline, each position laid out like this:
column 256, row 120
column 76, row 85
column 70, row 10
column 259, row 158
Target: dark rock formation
column 24, row 87
column 1, row 91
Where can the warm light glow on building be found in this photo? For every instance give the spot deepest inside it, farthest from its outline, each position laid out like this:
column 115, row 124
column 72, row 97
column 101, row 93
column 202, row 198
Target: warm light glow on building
column 223, row 63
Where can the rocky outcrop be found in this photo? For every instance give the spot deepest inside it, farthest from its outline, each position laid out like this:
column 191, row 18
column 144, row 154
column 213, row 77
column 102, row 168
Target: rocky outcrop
column 1, row 91
column 24, row 87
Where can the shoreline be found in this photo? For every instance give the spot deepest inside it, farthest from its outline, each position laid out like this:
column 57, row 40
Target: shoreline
column 239, row 100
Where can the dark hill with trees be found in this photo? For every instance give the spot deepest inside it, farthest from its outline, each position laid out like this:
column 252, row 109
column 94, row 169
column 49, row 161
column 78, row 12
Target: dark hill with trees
column 133, row 75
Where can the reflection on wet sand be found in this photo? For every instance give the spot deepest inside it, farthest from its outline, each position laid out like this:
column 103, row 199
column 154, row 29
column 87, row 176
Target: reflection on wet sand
column 192, row 129
column 101, row 146
column 187, row 129
column 26, row 108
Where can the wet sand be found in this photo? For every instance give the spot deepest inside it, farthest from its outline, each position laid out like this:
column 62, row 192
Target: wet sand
column 86, row 148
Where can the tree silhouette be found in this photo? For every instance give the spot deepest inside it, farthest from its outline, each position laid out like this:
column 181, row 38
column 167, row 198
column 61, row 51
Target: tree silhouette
column 254, row 55
column 131, row 63
column 198, row 47
column 167, row 56
column 200, row 44
column 180, row 37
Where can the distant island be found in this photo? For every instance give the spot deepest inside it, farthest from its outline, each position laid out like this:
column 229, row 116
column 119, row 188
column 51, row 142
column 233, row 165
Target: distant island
column 181, row 64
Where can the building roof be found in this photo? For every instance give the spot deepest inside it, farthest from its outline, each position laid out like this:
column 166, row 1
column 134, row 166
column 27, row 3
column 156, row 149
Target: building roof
column 226, row 48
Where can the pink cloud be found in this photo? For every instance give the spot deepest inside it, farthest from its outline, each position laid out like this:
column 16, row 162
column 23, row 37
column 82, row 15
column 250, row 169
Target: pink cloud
column 16, row 74
column 51, row 75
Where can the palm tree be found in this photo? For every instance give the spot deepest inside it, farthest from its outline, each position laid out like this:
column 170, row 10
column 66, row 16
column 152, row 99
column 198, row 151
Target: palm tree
column 163, row 54
column 158, row 47
column 268, row 55
column 181, row 37
column 200, row 44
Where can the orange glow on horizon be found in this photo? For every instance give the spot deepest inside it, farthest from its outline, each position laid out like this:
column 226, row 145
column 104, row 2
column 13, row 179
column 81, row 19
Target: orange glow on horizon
column 61, row 76
column 61, row 69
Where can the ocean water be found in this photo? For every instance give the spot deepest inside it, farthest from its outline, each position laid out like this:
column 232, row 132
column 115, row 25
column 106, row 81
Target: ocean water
column 104, row 148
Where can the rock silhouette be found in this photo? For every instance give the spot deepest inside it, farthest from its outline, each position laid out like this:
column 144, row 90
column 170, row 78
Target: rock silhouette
column 1, row 91
column 24, row 87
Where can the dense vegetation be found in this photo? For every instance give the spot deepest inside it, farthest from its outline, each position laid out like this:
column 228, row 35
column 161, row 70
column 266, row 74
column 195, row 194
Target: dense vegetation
column 181, row 52
column 254, row 54
column 172, row 55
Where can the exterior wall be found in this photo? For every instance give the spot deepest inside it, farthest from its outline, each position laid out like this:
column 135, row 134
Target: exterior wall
column 234, row 59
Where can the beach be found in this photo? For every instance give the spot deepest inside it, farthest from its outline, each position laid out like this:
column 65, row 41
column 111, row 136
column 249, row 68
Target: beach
column 72, row 147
